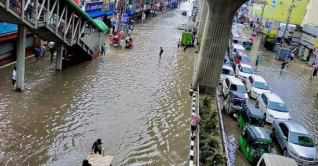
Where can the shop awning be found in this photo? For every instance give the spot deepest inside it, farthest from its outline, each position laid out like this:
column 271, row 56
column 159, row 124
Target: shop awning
column 101, row 13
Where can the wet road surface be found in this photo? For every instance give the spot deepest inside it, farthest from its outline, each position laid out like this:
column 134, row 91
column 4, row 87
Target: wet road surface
column 292, row 85
column 134, row 101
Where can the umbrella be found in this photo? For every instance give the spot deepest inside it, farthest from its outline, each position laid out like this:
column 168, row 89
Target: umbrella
column 121, row 33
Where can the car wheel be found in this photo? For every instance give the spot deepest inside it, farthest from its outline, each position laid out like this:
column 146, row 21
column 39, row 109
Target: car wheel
column 273, row 134
column 285, row 153
column 257, row 104
column 249, row 94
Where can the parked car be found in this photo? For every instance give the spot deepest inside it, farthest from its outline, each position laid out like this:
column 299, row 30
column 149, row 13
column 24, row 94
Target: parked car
column 227, row 71
column 295, row 142
column 233, row 84
column 272, row 107
column 252, row 116
column 254, row 142
column 243, row 71
column 234, row 102
column 236, row 48
column 184, row 27
column 256, row 85
column 241, row 58
column 227, row 60
column 275, row 160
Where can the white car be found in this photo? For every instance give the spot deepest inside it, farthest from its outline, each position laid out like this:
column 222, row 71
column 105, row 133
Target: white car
column 233, row 84
column 227, row 71
column 272, row 106
column 256, row 85
column 243, row 71
column 183, row 27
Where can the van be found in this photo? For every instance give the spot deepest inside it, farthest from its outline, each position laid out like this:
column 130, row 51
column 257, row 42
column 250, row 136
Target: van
column 236, row 48
column 275, row 160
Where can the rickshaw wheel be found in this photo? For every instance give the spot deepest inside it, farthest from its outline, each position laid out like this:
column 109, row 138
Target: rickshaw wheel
column 285, row 153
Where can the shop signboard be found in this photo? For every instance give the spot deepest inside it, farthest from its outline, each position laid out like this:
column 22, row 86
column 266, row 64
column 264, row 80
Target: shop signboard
column 91, row 7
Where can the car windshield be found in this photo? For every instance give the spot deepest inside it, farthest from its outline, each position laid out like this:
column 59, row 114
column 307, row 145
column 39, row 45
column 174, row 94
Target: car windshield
column 238, row 102
column 245, row 59
column 261, row 85
column 228, row 72
column 247, row 70
column 277, row 106
column 238, row 88
column 301, row 139
column 263, row 147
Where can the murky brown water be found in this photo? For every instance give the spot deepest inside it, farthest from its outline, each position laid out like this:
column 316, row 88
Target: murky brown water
column 134, row 101
column 292, row 85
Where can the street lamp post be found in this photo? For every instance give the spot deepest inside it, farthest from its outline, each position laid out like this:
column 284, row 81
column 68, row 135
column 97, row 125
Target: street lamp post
column 288, row 18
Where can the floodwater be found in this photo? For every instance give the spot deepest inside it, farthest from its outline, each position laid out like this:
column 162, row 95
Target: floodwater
column 134, row 101
column 292, row 85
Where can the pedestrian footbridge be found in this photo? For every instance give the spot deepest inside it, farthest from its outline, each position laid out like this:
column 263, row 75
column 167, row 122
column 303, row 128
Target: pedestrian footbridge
column 60, row 21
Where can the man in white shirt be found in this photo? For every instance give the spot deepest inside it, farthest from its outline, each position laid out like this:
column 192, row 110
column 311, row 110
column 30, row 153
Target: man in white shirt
column 129, row 32
column 14, row 76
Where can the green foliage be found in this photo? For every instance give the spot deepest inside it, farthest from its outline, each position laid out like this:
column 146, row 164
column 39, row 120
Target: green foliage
column 270, row 38
column 211, row 152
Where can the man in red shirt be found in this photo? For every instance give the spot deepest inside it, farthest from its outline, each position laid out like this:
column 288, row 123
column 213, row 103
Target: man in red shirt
column 195, row 120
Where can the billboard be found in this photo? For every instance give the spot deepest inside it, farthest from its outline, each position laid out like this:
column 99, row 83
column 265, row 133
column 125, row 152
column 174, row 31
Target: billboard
column 91, row 7
column 259, row 2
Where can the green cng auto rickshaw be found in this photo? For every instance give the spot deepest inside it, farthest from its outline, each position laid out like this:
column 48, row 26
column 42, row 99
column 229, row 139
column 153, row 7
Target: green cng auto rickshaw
column 249, row 45
column 186, row 38
column 250, row 115
column 234, row 102
column 254, row 142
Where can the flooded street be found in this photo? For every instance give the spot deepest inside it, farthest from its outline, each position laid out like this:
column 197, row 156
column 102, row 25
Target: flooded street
column 134, row 101
column 292, row 85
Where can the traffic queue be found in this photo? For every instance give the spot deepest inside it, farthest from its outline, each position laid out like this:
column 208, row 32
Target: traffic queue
column 239, row 84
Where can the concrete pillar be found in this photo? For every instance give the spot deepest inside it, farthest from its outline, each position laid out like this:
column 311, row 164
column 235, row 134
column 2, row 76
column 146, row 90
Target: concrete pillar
column 202, row 18
column 21, row 58
column 215, row 40
column 59, row 56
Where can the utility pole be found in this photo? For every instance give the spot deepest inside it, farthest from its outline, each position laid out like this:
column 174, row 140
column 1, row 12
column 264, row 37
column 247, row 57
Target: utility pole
column 288, row 18
column 260, row 21
column 143, row 12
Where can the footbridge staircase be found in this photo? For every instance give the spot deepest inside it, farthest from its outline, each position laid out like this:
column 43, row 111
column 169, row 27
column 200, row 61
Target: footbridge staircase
column 60, row 21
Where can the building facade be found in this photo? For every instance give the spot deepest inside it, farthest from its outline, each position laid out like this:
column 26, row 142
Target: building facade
column 277, row 10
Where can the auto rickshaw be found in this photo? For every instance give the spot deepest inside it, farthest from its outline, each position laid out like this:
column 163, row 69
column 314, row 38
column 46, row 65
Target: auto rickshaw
column 249, row 45
column 250, row 115
column 234, row 102
column 254, row 142
column 186, row 38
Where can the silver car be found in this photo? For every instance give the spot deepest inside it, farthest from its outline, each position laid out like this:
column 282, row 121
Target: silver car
column 295, row 142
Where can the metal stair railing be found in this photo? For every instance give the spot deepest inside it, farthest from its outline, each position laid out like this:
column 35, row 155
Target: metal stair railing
column 62, row 20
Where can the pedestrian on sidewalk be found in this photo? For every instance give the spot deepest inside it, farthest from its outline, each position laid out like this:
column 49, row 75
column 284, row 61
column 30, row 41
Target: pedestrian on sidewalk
column 283, row 65
column 161, row 51
column 14, row 76
column 314, row 71
column 98, row 147
column 37, row 53
column 185, row 47
column 179, row 41
column 86, row 163
column 195, row 120
column 129, row 32
column 257, row 62
column 104, row 49
column 43, row 50
column 193, row 39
